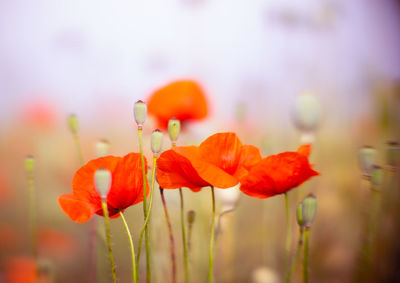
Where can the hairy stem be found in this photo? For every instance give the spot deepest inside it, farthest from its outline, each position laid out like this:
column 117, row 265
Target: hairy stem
column 108, row 235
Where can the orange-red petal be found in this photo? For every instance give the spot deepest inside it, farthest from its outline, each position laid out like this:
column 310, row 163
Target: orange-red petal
column 78, row 210
column 304, row 150
column 249, row 157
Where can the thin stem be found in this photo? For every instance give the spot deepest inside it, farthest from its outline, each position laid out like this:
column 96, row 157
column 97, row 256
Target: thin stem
column 149, row 210
column 146, row 236
column 171, row 237
column 32, row 215
column 296, row 257
column 288, row 234
column 78, row 149
column 211, row 255
column 108, row 234
column 185, row 252
column 132, row 247
column 305, row 259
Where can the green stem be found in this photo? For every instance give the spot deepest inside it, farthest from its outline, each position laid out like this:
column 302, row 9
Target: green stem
column 132, row 247
column 149, row 210
column 211, row 255
column 146, row 236
column 288, row 234
column 296, row 257
column 108, row 234
column 78, row 149
column 185, row 252
column 171, row 237
column 32, row 215
column 305, row 259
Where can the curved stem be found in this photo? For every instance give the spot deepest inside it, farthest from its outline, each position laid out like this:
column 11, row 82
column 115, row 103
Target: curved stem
column 185, row 252
column 288, row 234
column 296, row 257
column 132, row 247
column 108, row 235
column 171, row 237
column 305, row 260
column 148, row 273
column 211, row 256
column 149, row 210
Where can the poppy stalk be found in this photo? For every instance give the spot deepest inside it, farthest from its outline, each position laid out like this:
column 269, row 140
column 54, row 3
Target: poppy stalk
column 29, row 169
column 134, row 271
column 288, row 232
column 211, row 251
column 108, row 235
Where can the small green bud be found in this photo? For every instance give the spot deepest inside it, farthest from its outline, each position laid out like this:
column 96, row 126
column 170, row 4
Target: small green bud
column 73, row 124
column 29, row 164
column 306, row 112
column 393, row 155
column 367, row 158
column 191, row 216
column 140, row 112
column 299, row 214
column 174, row 128
column 156, row 141
column 309, row 209
column 376, row 177
column 102, row 180
column 102, row 148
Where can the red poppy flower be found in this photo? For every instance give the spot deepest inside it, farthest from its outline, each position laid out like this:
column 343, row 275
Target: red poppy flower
column 220, row 161
column 21, row 269
column 183, row 100
column 277, row 174
column 126, row 188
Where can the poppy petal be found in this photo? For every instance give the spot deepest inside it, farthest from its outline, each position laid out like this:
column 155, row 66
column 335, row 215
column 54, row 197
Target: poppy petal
column 304, row 150
column 78, row 210
column 249, row 157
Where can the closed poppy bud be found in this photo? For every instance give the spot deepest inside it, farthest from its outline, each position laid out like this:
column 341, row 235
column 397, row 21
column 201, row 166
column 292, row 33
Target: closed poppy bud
column 191, row 216
column 29, row 164
column 307, row 112
column 174, row 128
column 140, row 112
column 156, row 141
column 376, row 177
column 73, row 124
column 309, row 209
column 102, row 148
column 102, row 179
column 299, row 214
column 367, row 158
column 393, row 154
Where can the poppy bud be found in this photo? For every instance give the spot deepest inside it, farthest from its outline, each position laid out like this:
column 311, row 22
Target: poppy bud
column 29, row 164
column 73, row 124
column 393, row 154
column 376, row 177
column 102, row 147
column 309, row 209
column 299, row 214
column 156, row 141
column 140, row 112
column 306, row 112
column 367, row 158
column 174, row 128
column 102, row 179
column 191, row 215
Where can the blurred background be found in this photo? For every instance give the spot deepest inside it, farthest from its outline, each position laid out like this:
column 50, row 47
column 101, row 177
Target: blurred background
column 254, row 60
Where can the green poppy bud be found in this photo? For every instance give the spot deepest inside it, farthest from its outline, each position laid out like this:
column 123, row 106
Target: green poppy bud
column 174, row 128
column 309, row 209
column 191, row 215
column 102, row 148
column 156, row 141
column 376, row 177
column 306, row 112
column 367, row 158
column 140, row 112
column 29, row 164
column 73, row 124
column 299, row 214
column 102, row 180
column 393, row 155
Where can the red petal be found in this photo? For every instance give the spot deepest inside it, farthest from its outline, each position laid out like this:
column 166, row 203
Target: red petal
column 249, row 157
column 78, row 210
column 304, row 150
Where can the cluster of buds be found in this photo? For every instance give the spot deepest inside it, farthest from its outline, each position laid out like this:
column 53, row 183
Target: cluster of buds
column 306, row 211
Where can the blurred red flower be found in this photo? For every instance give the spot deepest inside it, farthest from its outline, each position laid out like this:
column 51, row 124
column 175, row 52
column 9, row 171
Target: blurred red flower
column 183, row 100
column 56, row 243
column 220, row 161
column 277, row 174
column 21, row 269
column 126, row 188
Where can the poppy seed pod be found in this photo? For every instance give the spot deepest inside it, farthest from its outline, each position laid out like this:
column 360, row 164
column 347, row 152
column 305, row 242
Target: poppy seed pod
column 174, row 128
column 367, row 158
column 73, row 124
column 306, row 112
column 140, row 112
column 102, row 148
column 393, row 154
column 376, row 177
column 156, row 141
column 309, row 209
column 191, row 216
column 102, row 180
column 299, row 214
column 29, row 164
